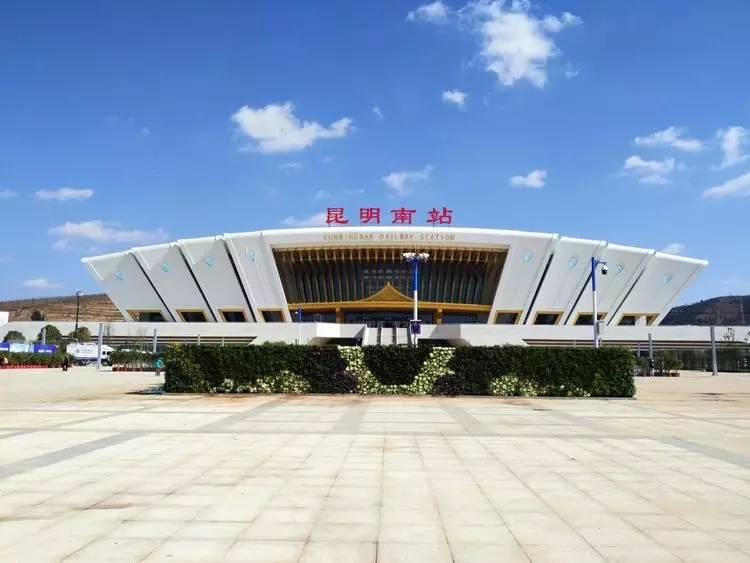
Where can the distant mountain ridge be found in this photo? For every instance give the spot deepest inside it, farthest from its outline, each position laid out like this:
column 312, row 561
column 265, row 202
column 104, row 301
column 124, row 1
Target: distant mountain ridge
column 726, row 310
column 94, row 307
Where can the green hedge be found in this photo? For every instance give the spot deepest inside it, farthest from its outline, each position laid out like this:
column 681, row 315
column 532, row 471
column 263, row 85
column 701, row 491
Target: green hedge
column 206, row 368
column 606, row 372
column 132, row 358
column 496, row 370
column 395, row 365
column 30, row 359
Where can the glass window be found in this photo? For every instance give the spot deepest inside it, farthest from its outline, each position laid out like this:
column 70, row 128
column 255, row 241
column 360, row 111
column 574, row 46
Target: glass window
column 546, row 318
column 273, row 317
column 234, row 316
column 193, row 316
column 460, row 318
column 586, row 318
column 627, row 320
column 506, row 318
column 147, row 316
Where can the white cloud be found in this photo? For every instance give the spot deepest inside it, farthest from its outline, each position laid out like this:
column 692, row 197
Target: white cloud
column 274, row 128
column 455, row 97
column 650, row 171
column 316, row 220
column 401, row 182
column 97, row 230
column 571, row 71
column 534, row 179
column 358, row 191
column 61, row 244
column 65, row 194
column 436, row 12
column 8, row 194
column 378, row 112
column 739, row 187
column 554, row 24
column 670, row 137
column 322, row 194
column 290, row 165
column 674, row 248
column 732, row 140
column 40, row 283
column 515, row 44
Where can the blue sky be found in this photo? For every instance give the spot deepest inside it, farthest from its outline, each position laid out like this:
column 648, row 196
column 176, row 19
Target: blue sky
column 140, row 122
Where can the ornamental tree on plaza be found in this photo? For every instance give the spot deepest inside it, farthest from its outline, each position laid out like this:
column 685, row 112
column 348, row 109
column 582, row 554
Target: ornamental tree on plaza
column 14, row 336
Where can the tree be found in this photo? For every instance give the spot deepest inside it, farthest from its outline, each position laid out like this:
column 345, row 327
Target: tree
column 14, row 336
column 54, row 336
column 83, row 335
column 38, row 316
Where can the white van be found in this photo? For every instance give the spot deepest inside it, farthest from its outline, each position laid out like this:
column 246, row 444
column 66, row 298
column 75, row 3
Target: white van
column 85, row 353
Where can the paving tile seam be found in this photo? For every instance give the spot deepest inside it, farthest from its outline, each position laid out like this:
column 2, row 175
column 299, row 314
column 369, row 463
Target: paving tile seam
column 200, row 431
column 677, row 416
column 351, row 419
column 484, row 493
column 550, row 508
column 470, row 423
column 708, row 451
column 61, row 425
column 245, row 414
column 64, row 454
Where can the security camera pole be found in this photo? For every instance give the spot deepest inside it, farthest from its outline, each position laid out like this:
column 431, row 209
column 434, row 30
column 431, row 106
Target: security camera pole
column 414, row 259
column 595, row 319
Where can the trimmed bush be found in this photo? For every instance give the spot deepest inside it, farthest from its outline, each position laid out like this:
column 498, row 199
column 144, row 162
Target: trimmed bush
column 550, row 372
column 494, row 370
column 206, row 368
column 29, row 359
column 133, row 358
column 448, row 384
column 395, row 365
column 435, row 366
column 667, row 362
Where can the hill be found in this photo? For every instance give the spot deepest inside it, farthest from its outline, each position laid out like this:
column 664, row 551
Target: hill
column 727, row 310
column 96, row 307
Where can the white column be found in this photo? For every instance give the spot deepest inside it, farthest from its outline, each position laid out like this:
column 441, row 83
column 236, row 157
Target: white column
column 99, row 342
column 714, row 360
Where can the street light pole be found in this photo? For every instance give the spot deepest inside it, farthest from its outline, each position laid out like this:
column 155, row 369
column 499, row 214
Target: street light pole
column 299, row 321
column 78, row 306
column 595, row 317
column 414, row 258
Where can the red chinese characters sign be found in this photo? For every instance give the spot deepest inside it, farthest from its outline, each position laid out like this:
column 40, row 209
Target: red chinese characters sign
column 400, row 216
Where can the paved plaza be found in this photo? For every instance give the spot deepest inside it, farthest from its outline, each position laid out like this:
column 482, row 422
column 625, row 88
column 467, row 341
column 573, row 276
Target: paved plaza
column 94, row 468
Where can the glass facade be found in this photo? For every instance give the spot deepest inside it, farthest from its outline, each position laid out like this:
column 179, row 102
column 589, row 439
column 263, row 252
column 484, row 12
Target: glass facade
column 333, row 275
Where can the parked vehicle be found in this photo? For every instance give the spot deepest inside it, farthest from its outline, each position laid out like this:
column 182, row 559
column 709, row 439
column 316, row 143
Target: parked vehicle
column 85, row 353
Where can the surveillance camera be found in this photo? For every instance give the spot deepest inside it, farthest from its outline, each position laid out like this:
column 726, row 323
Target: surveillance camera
column 605, row 269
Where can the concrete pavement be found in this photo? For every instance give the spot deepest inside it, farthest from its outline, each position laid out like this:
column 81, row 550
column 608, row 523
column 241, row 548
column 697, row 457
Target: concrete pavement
column 91, row 470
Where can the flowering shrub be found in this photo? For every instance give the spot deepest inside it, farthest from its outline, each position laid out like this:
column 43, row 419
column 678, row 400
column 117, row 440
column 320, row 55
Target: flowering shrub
column 495, row 370
column 510, row 385
column 434, row 366
column 285, row 382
